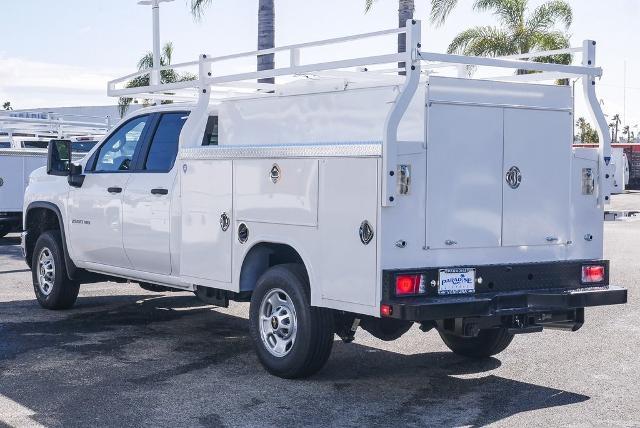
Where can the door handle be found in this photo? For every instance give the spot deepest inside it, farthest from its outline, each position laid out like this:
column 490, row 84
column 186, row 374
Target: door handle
column 159, row 192
column 114, row 190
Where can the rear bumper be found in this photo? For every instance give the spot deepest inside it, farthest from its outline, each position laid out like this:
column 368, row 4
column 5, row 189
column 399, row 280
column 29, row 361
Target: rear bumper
column 546, row 287
column 504, row 304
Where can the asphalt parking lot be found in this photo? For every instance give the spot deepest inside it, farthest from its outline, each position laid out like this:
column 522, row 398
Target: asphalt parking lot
column 127, row 357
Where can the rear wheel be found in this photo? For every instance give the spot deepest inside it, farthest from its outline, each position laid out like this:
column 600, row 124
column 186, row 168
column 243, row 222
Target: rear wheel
column 489, row 342
column 292, row 338
column 53, row 288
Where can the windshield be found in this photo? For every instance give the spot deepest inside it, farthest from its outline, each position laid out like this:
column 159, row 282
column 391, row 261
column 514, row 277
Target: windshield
column 82, row 146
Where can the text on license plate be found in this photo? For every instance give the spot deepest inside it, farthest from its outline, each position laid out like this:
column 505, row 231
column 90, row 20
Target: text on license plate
column 457, row 281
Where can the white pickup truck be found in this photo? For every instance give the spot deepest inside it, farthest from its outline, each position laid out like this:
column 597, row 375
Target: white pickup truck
column 343, row 196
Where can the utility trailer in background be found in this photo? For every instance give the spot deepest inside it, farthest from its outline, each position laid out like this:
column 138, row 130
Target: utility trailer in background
column 344, row 195
column 23, row 149
column 621, row 175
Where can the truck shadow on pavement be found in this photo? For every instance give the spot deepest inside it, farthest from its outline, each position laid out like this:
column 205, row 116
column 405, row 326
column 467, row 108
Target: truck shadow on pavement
column 165, row 360
column 10, row 248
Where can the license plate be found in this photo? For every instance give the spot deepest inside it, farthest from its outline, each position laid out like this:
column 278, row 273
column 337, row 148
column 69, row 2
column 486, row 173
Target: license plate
column 457, row 281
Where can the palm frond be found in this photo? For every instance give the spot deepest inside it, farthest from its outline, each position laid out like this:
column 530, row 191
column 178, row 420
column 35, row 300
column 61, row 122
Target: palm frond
column 482, row 41
column 167, row 53
column 441, row 9
column 146, row 61
column 545, row 41
column 368, row 4
column 549, row 14
column 510, row 12
column 197, row 8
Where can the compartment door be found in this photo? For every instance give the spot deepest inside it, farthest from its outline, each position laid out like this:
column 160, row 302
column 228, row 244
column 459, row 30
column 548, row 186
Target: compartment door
column 206, row 195
column 538, row 144
column 464, row 176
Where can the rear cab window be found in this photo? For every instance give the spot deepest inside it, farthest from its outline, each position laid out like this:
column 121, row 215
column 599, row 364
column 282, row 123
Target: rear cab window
column 162, row 152
column 211, row 133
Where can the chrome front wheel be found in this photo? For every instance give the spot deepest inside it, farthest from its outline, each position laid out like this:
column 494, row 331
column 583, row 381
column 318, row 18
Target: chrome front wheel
column 278, row 322
column 52, row 285
column 46, row 271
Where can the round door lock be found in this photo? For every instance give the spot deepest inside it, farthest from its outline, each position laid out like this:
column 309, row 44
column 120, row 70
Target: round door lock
column 275, row 173
column 225, row 221
column 243, row 233
column 514, row 177
column 1, row 182
column 366, row 232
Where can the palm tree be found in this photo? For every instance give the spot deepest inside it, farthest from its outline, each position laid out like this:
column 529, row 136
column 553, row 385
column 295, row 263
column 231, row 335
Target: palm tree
column 7, row 106
column 406, row 9
column 583, row 126
column 615, row 126
column 266, row 30
column 166, row 76
column 520, row 31
column 627, row 131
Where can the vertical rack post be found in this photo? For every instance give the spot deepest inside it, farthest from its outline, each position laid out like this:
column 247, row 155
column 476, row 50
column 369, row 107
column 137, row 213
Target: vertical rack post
column 405, row 95
column 605, row 173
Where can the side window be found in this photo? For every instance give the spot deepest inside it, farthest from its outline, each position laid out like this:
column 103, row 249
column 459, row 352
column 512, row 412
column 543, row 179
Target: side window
column 211, row 132
column 164, row 146
column 116, row 154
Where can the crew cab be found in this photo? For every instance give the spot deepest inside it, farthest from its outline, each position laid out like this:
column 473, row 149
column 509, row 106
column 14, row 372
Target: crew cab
column 341, row 199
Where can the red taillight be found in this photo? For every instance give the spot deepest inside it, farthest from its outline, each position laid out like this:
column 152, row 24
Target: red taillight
column 592, row 274
column 386, row 310
column 409, row 284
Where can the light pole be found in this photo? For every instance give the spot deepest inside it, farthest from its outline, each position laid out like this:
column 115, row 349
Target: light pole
column 155, row 12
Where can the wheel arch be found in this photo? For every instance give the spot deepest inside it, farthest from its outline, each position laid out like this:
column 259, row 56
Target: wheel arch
column 264, row 255
column 40, row 217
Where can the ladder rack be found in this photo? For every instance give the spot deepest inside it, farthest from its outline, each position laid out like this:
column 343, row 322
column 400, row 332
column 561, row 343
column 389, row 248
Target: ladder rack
column 210, row 86
column 49, row 124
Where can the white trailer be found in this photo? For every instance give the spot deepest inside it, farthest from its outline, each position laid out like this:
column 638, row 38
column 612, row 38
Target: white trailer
column 621, row 174
column 23, row 149
column 345, row 195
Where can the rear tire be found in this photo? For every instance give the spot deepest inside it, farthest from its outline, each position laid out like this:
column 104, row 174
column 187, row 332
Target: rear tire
column 489, row 342
column 4, row 230
column 53, row 288
column 292, row 338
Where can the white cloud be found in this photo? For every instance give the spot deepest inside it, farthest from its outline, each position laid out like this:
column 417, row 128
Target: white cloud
column 28, row 84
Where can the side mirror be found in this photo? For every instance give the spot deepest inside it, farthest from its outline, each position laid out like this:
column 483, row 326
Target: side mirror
column 59, row 157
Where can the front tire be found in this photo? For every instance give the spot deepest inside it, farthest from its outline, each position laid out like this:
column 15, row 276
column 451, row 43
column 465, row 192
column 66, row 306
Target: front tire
column 292, row 338
column 53, row 288
column 489, row 342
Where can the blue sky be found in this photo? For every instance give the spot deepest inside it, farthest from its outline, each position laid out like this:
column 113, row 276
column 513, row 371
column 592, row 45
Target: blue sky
column 60, row 53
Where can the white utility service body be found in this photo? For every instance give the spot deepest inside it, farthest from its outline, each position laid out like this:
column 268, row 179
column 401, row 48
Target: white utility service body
column 365, row 180
column 20, row 155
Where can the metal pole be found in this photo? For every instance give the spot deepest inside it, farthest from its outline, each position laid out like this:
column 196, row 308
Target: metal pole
column 624, row 97
column 155, row 15
column 155, row 74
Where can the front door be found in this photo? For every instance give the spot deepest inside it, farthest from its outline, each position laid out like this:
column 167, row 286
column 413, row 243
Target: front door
column 95, row 209
column 149, row 197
